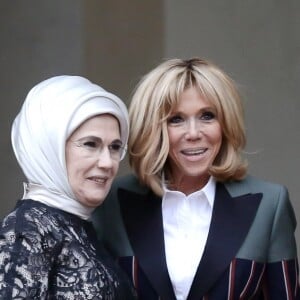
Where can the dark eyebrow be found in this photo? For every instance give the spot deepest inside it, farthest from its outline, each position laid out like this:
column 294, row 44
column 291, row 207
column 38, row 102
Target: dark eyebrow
column 117, row 141
column 90, row 137
column 98, row 139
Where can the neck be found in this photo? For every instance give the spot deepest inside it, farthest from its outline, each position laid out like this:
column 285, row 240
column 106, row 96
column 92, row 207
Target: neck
column 188, row 184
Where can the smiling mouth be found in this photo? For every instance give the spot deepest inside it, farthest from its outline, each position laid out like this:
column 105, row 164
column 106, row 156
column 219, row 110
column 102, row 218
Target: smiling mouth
column 97, row 179
column 190, row 152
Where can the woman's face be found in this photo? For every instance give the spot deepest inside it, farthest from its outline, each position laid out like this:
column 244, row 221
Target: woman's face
column 195, row 138
column 92, row 158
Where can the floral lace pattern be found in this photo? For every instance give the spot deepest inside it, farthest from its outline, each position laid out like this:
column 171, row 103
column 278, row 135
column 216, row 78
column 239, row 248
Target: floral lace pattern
column 49, row 254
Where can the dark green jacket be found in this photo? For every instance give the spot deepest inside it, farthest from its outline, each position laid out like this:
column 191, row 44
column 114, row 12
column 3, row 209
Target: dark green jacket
column 250, row 248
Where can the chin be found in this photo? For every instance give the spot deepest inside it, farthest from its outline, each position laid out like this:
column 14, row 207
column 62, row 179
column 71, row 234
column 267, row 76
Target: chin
column 93, row 202
column 195, row 173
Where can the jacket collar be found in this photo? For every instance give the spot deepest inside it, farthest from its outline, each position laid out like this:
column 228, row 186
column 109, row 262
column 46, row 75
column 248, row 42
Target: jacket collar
column 231, row 220
column 142, row 217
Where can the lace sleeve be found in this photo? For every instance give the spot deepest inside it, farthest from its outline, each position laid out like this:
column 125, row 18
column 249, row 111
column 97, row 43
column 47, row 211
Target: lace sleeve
column 27, row 252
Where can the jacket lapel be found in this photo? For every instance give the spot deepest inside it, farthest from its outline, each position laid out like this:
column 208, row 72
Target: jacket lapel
column 231, row 221
column 142, row 217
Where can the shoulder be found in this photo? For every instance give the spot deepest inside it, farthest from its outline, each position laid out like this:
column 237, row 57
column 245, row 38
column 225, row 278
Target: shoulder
column 275, row 197
column 110, row 208
column 251, row 184
column 25, row 212
column 30, row 217
column 129, row 182
column 29, row 228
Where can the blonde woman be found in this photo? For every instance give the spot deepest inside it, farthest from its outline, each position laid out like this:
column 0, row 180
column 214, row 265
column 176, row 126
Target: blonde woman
column 191, row 223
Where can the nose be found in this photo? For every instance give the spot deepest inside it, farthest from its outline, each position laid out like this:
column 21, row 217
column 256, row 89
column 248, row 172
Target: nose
column 104, row 159
column 193, row 131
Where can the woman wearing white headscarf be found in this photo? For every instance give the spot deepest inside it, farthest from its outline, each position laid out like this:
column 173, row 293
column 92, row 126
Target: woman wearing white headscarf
column 68, row 138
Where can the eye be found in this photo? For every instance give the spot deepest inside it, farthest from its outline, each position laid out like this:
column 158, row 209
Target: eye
column 176, row 119
column 116, row 147
column 207, row 116
column 89, row 144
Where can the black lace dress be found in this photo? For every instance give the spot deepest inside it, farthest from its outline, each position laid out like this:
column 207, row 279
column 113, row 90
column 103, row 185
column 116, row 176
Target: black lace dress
column 46, row 253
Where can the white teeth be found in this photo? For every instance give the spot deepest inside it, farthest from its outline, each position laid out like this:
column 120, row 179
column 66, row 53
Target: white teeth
column 99, row 179
column 194, row 151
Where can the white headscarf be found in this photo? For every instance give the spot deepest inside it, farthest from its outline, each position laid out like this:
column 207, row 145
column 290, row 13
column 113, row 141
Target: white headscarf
column 52, row 110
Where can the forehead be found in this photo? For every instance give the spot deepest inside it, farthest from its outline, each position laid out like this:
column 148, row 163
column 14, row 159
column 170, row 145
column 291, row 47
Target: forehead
column 191, row 98
column 101, row 125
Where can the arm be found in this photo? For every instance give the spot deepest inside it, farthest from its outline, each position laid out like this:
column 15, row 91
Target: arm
column 27, row 253
column 281, row 281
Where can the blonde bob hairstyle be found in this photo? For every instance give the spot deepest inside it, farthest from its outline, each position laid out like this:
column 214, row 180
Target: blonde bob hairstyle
column 158, row 93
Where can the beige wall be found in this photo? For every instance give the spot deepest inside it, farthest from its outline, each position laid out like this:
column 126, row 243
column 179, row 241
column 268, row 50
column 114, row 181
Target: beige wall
column 123, row 40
